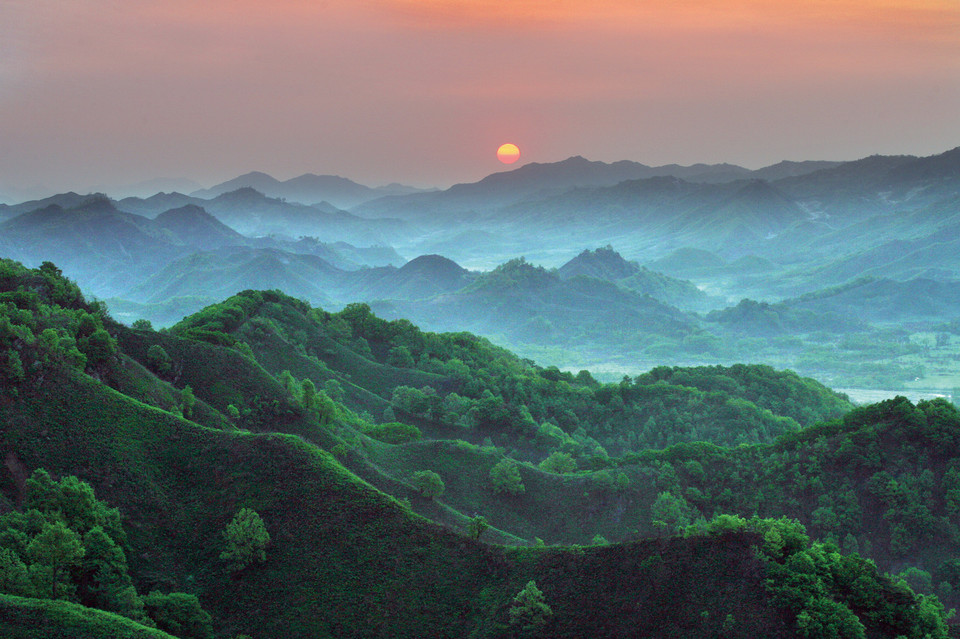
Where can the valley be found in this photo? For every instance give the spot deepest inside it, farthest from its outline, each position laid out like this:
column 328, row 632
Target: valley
column 723, row 392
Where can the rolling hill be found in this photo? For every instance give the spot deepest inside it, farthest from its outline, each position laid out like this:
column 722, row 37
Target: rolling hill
column 346, row 559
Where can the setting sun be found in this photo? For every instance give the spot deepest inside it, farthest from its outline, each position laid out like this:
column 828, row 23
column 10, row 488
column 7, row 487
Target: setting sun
column 508, row 153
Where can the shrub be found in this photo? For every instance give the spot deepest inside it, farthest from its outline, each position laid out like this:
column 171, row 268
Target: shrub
column 246, row 540
column 428, row 483
column 505, row 477
column 392, row 433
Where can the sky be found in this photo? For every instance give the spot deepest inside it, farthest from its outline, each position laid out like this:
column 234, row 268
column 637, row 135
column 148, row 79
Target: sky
column 422, row 92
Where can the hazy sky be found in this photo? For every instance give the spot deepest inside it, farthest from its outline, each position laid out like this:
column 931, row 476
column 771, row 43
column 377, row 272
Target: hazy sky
column 99, row 92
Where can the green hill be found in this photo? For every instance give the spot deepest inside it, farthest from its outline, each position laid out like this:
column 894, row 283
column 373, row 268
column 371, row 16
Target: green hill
column 346, row 559
column 519, row 304
column 606, row 264
column 23, row 618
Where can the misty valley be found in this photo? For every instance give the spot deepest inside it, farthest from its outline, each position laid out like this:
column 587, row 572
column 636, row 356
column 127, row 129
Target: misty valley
column 572, row 399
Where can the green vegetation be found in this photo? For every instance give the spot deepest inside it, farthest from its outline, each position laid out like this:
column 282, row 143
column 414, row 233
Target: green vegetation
column 528, row 610
column 67, row 545
column 462, row 386
column 505, row 477
column 225, row 453
column 428, row 483
column 46, row 619
column 246, row 540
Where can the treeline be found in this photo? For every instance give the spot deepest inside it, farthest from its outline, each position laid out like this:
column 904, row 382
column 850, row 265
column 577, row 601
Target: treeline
column 492, row 392
column 65, row 545
column 45, row 322
column 883, row 481
column 496, row 392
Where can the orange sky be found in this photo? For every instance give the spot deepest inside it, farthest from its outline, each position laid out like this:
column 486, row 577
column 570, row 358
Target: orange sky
column 423, row 91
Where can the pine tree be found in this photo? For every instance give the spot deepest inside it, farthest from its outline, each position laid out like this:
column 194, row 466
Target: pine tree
column 529, row 610
column 246, row 540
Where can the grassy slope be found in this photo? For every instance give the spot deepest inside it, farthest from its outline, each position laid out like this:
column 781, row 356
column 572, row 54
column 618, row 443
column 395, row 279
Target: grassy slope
column 345, row 559
column 22, row 618
column 557, row 508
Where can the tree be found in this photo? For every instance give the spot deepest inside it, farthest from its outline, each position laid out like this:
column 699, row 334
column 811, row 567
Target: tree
column 179, row 614
column 105, row 580
column 560, row 463
column 188, row 399
column 14, row 577
column 400, row 357
column 57, row 547
column 308, row 394
column 334, row 390
column 505, row 477
column 142, row 325
column 428, row 483
column 99, row 347
column 529, row 610
column 246, row 540
column 158, row 360
column 670, row 512
column 12, row 369
column 476, row 526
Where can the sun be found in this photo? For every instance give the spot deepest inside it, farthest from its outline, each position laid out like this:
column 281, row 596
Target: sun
column 508, row 153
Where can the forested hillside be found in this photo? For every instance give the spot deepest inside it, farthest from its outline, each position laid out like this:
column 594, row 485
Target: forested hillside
column 262, row 463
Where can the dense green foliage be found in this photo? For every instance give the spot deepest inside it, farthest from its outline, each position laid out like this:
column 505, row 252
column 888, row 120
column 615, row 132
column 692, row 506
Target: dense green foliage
column 246, row 540
column 505, row 477
column 67, row 545
column 463, row 384
column 528, row 610
column 346, row 559
column 45, row 323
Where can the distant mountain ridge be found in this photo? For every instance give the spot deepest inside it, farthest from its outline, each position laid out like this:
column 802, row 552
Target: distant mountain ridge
column 108, row 249
column 606, row 264
column 307, row 189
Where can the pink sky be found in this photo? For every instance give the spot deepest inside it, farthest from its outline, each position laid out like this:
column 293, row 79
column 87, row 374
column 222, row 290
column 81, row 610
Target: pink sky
column 99, row 92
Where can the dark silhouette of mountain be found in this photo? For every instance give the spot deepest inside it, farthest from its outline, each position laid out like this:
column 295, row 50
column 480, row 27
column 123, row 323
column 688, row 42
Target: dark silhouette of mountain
column 537, row 181
column 67, row 200
column 526, row 304
column 213, row 274
column 157, row 203
column 757, row 209
column 606, row 264
column 95, row 243
column 932, row 169
column 227, row 271
column 338, row 191
column 854, row 189
column 308, row 188
column 786, row 169
column 193, row 225
column 254, row 214
column 932, row 256
column 254, row 180
column 150, row 187
column 603, row 263
column 420, row 278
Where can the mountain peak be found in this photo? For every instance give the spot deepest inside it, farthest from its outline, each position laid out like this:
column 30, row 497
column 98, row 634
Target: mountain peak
column 189, row 211
column 243, row 194
column 432, row 263
column 603, row 263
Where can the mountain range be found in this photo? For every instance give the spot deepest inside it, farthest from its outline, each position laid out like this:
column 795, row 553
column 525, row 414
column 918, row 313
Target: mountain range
column 308, row 188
